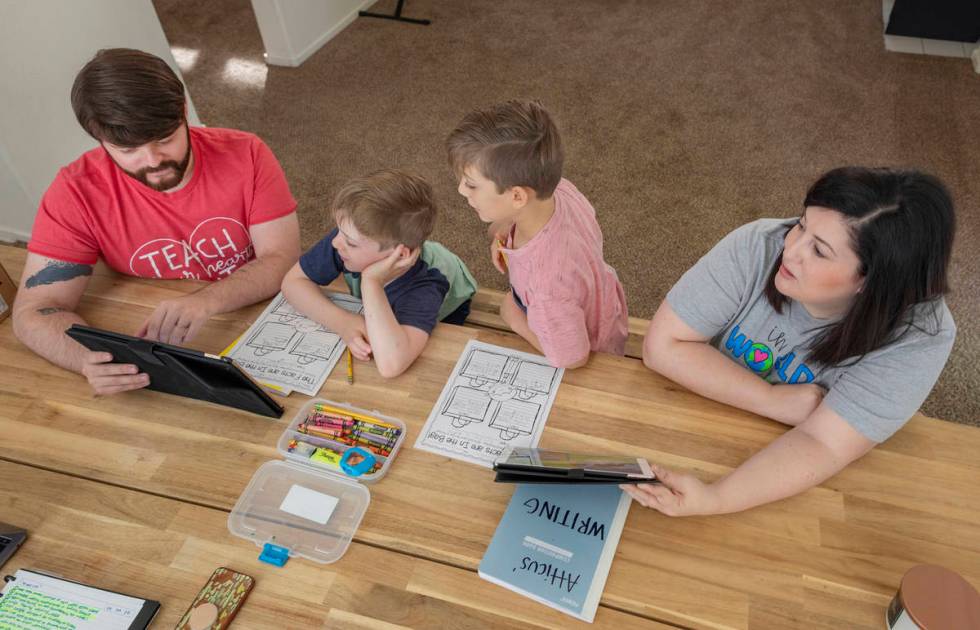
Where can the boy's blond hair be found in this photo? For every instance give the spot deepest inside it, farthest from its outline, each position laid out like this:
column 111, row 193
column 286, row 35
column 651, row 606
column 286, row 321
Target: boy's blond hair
column 512, row 144
column 389, row 206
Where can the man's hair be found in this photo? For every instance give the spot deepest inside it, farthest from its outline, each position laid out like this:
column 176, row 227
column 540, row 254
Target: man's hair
column 512, row 144
column 389, row 206
column 127, row 97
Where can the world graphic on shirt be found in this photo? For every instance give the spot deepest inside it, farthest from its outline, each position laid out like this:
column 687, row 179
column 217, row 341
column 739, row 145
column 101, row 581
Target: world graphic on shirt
column 214, row 249
column 761, row 359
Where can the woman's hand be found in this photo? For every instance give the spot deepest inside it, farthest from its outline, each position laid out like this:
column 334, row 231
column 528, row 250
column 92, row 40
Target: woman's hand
column 677, row 494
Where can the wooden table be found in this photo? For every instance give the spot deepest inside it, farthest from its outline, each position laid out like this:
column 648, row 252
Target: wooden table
column 831, row 557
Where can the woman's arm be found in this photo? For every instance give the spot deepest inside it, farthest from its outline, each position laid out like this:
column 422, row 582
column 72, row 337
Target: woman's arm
column 683, row 355
column 806, row 455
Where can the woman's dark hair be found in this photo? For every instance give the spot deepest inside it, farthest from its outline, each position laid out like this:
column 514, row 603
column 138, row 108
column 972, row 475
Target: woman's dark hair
column 902, row 226
column 127, row 97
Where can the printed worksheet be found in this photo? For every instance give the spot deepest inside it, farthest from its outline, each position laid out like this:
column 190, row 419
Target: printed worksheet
column 496, row 397
column 288, row 350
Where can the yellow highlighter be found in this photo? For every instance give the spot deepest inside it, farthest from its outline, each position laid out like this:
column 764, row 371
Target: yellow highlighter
column 350, row 368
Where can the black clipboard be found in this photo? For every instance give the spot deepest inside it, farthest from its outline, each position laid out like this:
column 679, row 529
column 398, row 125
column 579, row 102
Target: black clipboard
column 139, row 622
column 538, row 465
column 182, row 371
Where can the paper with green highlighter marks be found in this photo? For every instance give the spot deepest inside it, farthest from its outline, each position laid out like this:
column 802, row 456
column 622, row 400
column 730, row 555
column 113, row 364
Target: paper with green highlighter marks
column 35, row 601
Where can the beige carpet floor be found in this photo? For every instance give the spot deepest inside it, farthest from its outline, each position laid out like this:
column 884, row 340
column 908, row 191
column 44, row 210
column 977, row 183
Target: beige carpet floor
column 681, row 120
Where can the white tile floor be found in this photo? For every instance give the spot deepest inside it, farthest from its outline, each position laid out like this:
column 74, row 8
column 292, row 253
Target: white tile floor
column 921, row 46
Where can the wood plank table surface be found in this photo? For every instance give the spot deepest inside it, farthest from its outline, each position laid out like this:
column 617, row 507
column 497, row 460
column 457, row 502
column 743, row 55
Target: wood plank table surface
column 164, row 549
column 831, row 557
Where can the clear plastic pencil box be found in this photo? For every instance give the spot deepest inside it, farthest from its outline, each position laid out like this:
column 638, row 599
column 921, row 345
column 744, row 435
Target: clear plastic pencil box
column 301, row 507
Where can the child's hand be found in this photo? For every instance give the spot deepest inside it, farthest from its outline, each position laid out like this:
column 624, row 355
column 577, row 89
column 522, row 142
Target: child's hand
column 497, row 257
column 391, row 266
column 354, row 334
column 498, row 231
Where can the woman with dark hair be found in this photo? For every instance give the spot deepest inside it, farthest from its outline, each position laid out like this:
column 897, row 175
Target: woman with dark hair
column 840, row 312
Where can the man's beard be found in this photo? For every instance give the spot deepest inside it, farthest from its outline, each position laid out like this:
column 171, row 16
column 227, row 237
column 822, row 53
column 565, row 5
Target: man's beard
column 164, row 184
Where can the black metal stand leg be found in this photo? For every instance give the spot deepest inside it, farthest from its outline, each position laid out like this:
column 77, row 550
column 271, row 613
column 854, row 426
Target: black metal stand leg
column 397, row 16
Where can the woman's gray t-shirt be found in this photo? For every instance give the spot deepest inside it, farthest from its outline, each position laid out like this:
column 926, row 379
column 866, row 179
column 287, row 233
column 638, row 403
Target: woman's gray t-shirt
column 722, row 296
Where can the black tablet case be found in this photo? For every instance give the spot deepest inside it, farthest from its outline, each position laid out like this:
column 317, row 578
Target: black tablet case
column 513, row 476
column 180, row 371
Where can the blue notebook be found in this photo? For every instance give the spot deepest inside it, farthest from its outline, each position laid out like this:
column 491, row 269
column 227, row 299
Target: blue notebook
column 555, row 544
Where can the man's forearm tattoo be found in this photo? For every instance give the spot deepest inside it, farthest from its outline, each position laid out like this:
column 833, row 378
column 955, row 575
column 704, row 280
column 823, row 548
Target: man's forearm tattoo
column 47, row 310
column 58, row 271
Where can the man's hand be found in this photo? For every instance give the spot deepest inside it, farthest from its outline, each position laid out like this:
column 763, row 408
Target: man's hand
column 390, row 267
column 792, row 404
column 177, row 321
column 111, row 378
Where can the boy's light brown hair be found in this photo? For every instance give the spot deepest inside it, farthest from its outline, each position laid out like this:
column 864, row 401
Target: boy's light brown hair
column 389, row 206
column 512, row 144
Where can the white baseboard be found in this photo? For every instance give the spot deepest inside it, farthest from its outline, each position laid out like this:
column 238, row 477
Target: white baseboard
column 315, row 45
column 9, row 235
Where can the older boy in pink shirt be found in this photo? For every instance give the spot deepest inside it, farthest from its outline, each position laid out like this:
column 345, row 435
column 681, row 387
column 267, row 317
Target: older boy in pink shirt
column 564, row 300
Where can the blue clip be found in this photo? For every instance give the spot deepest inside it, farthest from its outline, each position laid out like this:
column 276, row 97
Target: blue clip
column 274, row 554
column 358, row 469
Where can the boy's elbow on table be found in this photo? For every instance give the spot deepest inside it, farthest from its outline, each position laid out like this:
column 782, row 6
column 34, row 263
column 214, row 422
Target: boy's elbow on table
column 571, row 365
column 390, row 367
column 567, row 361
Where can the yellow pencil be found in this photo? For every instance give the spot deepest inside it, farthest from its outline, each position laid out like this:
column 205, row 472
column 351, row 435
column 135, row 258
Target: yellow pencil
column 350, row 368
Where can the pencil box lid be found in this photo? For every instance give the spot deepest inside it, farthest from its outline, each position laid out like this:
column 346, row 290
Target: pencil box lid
column 299, row 511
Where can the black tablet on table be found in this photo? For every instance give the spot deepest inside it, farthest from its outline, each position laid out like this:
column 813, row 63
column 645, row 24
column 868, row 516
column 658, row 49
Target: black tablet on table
column 181, row 371
column 538, row 465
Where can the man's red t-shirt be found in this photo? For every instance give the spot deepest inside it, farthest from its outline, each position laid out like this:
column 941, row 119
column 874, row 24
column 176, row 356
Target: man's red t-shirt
column 201, row 231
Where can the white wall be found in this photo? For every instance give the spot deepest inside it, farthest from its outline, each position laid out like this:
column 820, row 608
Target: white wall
column 292, row 30
column 43, row 45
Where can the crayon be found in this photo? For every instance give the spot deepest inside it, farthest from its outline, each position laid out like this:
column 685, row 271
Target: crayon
column 343, row 412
